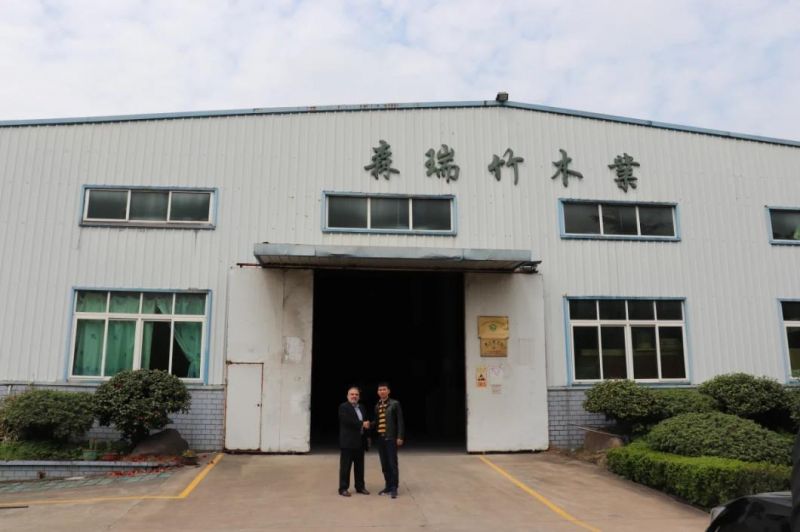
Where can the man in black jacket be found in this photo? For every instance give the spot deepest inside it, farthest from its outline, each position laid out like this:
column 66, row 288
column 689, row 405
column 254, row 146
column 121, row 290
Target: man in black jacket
column 353, row 424
column 390, row 430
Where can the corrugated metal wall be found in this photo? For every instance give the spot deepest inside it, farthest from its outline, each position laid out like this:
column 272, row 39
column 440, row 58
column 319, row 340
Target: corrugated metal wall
column 270, row 171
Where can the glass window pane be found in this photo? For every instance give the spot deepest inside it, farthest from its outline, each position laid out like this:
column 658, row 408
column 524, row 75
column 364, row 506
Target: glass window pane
column 156, row 337
column 793, row 339
column 157, row 303
column 389, row 213
column 587, row 358
column 619, row 220
column 791, row 310
column 107, row 204
column 149, row 205
column 656, row 221
column 613, row 341
column 119, row 348
column 581, row 218
column 671, row 344
column 127, row 302
column 431, row 214
column 612, row 309
column 88, row 347
column 785, row 224
column 669, row 310
column 639, row 309
column 583, row 309
column 194, row 304
column 347, row 212
column 89, row 301
column 186, row 349
column 190, row 207
column 645, row 359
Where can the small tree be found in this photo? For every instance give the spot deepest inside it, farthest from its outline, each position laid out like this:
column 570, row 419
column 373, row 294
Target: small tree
column 761, row 399
column 136, row 402
column 624, row 401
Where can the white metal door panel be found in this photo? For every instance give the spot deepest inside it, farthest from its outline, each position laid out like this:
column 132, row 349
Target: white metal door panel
column 243, row 407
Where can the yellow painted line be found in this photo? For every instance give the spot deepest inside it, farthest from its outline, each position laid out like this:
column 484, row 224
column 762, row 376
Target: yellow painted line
column 539, row 497
column 199, row 478
column 185, row 493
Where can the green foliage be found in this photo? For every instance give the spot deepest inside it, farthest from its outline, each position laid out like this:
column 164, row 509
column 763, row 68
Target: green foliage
column 705, row 481
column 723, row 435
column 46, row 415
column 136, row 402
column 39, row 450
column 793, row 406
column 675, row 401
column 744, row 395
column 623, row 401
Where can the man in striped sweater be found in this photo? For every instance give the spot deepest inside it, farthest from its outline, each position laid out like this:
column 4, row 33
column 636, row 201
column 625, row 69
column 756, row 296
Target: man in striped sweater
column 390, row 430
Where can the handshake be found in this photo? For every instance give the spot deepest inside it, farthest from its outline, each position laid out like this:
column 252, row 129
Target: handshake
column 365, row 425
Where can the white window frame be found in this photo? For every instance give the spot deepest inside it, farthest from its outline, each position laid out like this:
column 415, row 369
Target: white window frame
column 786, row 325
column 139, row 318
column 780, row 241
column 191, row 224
column 327, row 228
column 627, row 325
column 602, row 235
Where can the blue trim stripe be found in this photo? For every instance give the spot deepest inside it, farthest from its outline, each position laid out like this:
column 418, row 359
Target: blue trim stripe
column 396, row 107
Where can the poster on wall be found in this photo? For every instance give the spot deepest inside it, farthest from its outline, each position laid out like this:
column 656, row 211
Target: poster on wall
column 481, row 377
column 493, row 335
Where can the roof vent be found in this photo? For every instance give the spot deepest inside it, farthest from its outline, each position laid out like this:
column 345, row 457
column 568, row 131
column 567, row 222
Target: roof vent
column 501, row 97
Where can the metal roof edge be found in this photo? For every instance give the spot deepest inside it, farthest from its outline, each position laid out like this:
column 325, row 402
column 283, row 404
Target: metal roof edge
column 395, row 107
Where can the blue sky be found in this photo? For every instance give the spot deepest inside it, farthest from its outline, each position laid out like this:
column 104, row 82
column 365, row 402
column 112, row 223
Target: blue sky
column 730, row 65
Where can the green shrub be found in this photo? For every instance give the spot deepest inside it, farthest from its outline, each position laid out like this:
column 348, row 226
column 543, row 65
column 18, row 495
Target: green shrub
column 675, row 401
column 39, row 450
column 793, row 406
column 623, row 401
column 705, row 481
column 46, row 415
column 743, row 395
column 136, row 402
column 723, row 435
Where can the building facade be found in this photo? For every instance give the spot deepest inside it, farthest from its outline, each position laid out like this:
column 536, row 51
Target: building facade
column 492, row 260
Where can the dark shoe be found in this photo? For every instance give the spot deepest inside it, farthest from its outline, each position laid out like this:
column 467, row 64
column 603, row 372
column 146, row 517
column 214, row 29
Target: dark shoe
column 363, row 491
column 344, row 493
column 384, row 491
column 394, row 494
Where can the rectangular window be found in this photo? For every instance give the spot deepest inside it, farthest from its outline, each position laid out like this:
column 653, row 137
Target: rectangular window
column 785, row 224
column 142, row 207
column 619, row 220
column 390, row 214
column 117, row 331
column 639, row 339
column 791, row 322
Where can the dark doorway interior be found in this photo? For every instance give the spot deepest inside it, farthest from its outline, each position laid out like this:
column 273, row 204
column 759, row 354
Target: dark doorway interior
column 403, row 327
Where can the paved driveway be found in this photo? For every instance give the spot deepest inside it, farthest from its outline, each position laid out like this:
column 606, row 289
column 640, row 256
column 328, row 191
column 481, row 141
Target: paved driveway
column 438, row 491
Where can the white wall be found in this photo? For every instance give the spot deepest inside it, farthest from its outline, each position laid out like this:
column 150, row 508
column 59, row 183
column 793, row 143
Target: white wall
column 270, row 171
column 510, row 414
column 270, row 321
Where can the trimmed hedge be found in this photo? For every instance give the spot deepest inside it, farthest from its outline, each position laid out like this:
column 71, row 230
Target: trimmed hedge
column 746, row 396
column 723, row 435
column 623, row 401
column 705, row 481
column 46, row 415
column 136, row 402
column 675, row 401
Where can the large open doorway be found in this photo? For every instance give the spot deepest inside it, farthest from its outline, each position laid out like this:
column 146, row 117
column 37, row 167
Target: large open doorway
column 403, row 327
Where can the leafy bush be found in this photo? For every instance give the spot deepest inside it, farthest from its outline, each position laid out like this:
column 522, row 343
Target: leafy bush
column 136, row 402
column 675, row 401
column 39, row 450
column 705, row 481
column 623, row 401
column 743, row 395
column 723, row 435
column 793, row 406
column 46, row 415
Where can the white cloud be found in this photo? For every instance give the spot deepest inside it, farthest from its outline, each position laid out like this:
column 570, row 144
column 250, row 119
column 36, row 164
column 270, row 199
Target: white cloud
column 725, row 65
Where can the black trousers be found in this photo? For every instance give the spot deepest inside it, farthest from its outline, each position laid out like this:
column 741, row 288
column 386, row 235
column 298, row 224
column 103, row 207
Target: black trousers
column 387, row 450
column 351, row 458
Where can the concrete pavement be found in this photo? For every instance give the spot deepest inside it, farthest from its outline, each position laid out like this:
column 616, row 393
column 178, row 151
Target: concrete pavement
column 438, row 491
